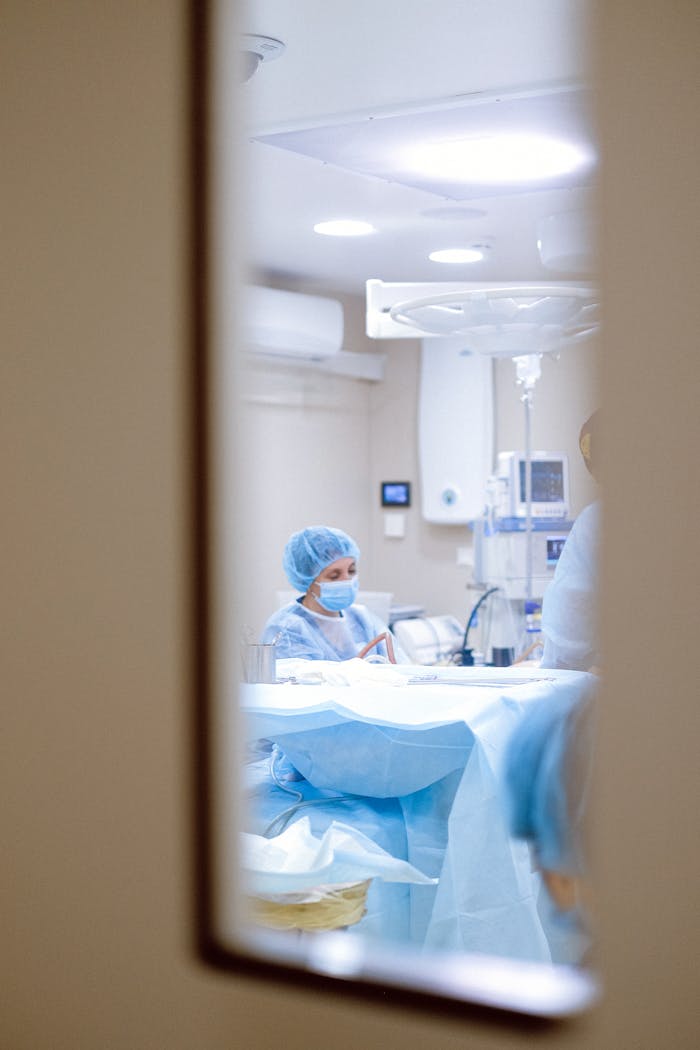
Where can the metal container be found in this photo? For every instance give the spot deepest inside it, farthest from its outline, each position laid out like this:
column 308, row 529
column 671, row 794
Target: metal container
column 259, row 663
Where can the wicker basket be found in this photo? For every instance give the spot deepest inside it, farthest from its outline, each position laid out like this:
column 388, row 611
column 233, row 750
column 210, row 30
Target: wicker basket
column 338, row 906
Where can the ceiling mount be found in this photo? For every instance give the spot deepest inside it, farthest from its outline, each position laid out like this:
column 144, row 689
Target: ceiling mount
column 257, row 49
column 512, row 319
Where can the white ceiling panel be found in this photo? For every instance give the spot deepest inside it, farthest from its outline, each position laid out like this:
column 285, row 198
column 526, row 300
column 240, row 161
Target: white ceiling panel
column 346, row 63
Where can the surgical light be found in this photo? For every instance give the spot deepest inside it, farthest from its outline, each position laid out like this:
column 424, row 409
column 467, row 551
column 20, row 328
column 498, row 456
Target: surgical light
column 456, row 255
column 500, row 159
column 344, row 228
column 513, row 320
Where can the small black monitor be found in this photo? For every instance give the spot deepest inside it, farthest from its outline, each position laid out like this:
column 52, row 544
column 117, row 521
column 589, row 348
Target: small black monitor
column 396, row 494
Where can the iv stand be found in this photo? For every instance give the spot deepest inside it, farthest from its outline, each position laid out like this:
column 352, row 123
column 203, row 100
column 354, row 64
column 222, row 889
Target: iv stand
column 528, row 371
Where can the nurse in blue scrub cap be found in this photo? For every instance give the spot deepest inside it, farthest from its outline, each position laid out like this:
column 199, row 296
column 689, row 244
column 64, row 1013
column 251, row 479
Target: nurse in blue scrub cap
column 324, row 623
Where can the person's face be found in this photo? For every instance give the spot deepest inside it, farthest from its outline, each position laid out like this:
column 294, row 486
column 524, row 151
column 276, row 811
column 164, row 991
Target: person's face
column 340, row 569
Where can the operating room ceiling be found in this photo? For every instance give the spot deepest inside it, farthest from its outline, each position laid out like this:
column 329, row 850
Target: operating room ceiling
column 353, row 77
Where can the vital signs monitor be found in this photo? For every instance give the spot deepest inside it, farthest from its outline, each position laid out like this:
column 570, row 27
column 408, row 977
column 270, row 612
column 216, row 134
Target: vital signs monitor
column 549, row 489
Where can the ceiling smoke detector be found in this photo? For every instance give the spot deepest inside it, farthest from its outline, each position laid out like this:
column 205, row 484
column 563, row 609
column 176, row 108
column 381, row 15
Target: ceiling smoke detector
column 257, row 49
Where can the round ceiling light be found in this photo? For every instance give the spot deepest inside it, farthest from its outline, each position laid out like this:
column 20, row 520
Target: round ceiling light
column 499, row 159
column 457, row 255
column 344, row 228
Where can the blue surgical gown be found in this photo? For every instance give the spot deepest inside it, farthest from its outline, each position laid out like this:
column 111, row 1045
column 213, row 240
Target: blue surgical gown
column 306, row 635
column 569, row 611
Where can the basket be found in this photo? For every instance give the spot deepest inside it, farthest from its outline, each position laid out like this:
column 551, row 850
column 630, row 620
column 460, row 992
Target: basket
column 337, row 907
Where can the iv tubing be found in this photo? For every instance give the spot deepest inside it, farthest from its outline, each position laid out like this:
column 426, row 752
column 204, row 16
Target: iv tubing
column 527, row 400
column 386, row 638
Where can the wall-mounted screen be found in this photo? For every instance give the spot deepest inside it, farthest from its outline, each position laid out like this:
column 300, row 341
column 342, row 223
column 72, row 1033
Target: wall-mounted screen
column 396, row 494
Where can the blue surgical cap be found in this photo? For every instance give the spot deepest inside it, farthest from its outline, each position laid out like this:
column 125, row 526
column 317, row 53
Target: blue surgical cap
column 309, row 552
column 548, row 766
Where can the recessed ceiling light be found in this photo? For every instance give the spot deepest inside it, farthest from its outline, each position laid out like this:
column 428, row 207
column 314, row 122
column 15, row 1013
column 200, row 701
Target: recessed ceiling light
column 498, row 158
column 344, row 228
column 457, row 255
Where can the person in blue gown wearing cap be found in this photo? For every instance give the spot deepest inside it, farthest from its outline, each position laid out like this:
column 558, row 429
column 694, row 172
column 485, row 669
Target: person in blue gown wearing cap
column 324, row 623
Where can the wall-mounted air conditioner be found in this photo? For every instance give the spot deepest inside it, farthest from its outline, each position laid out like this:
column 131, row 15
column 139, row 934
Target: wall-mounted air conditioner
column 291, row 324
column 305, row 330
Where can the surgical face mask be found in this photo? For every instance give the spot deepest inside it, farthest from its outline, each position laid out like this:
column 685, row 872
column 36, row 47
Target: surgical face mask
column 338, row 594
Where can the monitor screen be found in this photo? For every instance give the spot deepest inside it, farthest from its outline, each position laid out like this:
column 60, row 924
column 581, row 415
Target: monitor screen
column 547, row 481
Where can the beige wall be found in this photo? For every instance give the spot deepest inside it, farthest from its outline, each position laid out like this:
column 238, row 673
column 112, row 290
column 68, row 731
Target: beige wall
column 96, row 558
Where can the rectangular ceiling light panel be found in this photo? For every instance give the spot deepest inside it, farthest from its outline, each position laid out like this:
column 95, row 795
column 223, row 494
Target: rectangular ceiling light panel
column 461, row 149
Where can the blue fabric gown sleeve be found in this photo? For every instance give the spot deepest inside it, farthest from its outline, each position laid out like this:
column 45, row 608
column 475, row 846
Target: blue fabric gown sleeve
column 369, row 626
column 293, row 636
column 365, row 627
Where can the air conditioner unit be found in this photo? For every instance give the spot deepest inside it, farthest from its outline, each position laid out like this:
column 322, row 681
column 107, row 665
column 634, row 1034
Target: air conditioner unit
column 291, row 324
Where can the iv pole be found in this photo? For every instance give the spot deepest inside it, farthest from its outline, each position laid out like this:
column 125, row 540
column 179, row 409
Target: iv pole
column 528, row 371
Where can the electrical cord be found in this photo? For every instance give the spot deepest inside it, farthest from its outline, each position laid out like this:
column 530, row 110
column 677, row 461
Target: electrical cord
column 472, row 615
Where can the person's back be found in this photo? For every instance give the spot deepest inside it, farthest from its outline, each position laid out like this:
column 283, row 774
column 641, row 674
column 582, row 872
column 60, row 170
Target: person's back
column 570, row 605
column 569, row 609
